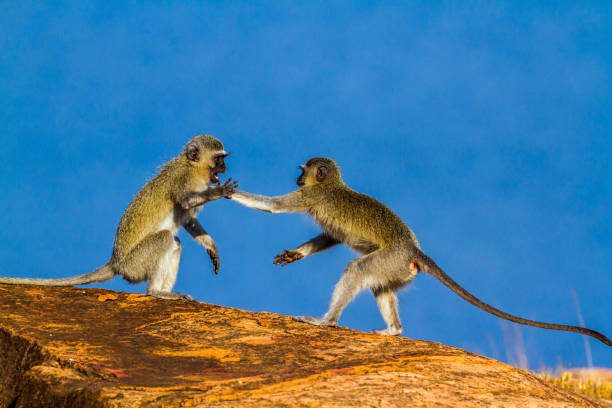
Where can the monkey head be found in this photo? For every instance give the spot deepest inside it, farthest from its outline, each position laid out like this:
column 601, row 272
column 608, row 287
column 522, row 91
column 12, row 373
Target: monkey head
column 206, row 151
column 319, row 170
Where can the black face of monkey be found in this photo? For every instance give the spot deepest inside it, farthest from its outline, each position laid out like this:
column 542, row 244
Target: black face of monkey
column 218, row 167
column 300, row 180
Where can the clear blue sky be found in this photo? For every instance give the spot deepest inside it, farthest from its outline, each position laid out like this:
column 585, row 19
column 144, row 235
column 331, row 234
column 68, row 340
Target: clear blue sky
column 485, row 125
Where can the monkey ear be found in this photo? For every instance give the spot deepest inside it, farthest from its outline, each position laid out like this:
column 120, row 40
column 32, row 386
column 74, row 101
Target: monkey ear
column 193, row 153
column 321, row 173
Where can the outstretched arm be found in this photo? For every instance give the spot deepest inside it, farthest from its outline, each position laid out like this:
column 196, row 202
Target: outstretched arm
column 292, row 202
column 194, row 228
column 317, row 244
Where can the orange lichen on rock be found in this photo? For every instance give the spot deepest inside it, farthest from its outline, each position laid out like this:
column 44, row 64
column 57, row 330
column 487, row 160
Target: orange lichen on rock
column 65, row 347
column 107, row 296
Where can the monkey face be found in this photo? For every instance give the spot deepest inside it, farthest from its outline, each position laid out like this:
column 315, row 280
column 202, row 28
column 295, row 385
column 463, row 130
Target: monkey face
column 218, row 166
column 318, row 170
column 301, row 182
column 206, row 151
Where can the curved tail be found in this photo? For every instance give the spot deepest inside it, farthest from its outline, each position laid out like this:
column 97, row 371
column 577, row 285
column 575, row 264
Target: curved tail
column 428, row 265
column 101, row 274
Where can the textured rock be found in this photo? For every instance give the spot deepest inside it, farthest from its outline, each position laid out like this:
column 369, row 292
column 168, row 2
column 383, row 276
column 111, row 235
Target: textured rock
column 71, row 347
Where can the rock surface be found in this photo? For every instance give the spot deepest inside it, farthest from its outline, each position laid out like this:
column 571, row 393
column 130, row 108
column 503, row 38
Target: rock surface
column 72, row 347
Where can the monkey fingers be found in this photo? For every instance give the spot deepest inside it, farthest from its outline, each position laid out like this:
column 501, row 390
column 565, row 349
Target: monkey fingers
column 214, row 257
column 231, row 184
column 287, row 257
column 229, row 187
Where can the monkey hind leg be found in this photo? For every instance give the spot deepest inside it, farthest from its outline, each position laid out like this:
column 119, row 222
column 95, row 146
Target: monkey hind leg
column 156, row 259
column 162, row 279
column 387, row 304
column 386, row 297
column 371, row 270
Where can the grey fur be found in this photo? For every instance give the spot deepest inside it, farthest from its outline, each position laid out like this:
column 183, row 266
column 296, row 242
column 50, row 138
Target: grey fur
column 145, row 247
column 391, row 255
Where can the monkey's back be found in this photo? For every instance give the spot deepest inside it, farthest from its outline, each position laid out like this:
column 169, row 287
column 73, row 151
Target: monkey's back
column 359, row 220
column 148, row 211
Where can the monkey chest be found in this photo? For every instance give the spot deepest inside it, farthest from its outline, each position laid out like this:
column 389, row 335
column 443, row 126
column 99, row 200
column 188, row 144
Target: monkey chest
column 175, row 219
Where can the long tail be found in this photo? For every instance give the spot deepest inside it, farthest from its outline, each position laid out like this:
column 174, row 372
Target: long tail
column 101, row 274
column 428, row 265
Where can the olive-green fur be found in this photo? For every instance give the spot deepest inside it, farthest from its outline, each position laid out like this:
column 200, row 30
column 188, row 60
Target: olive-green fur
column 367, row 226
column 159, row 195
column 146, row 247
column 207, row 142
column 349, row 214
column 391, row 255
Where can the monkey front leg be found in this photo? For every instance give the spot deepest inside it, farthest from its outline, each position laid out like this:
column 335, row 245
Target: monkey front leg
column 196, row 199
column 317, row 244
column 194, row 228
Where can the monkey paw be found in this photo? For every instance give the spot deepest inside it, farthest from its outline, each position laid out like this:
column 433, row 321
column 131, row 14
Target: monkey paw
column 388, row 331
column 314, row 320
column 287, row 257
column 228, row 188
column 186, row 297
column 214, row 258
column 170, row 295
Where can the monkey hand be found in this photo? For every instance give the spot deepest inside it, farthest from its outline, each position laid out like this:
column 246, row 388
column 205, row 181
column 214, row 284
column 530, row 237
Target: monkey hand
column 227, row 189
column 211, row 249
column 287, row 257
column 214, row 258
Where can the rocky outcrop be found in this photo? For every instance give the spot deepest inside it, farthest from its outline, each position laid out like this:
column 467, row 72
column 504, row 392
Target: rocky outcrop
column 72, row 347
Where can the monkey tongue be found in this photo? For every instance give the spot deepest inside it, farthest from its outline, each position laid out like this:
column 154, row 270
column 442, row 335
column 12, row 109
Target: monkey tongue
column 214, row 178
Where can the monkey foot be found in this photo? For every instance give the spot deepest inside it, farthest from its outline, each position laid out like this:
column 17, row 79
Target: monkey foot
column 186, row 297
column 171, row 296
column 314, row 320
column 388, row 331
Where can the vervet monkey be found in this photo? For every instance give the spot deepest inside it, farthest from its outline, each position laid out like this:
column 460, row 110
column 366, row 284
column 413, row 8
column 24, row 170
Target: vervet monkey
column 392, row 256
column 146, row 247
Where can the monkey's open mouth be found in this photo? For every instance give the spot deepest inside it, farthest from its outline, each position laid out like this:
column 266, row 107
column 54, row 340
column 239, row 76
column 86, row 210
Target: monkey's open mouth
column 214, row 173
column 219, row 167
column 214, row 178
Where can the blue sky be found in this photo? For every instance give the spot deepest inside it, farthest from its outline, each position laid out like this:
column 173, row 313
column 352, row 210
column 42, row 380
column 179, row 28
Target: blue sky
column 485, row 125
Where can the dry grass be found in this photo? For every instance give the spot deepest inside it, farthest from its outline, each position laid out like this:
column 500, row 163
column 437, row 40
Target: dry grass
column 589, row 384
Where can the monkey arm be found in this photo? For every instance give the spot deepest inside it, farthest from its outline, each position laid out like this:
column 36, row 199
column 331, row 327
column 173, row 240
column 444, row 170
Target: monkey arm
column 193, row 199
column 195, row 229
column 196, row 199
column 291, row 202
column 317, row 244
